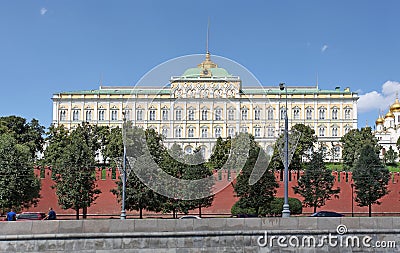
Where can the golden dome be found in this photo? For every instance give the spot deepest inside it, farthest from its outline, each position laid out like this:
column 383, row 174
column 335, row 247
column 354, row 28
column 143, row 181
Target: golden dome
column 389, row 115
column 396, row 106
column 380, row 121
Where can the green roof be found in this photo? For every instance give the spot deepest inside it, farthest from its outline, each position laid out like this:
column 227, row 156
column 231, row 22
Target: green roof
column 248, row 91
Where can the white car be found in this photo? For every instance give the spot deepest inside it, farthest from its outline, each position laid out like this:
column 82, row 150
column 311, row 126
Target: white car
column 190, row 217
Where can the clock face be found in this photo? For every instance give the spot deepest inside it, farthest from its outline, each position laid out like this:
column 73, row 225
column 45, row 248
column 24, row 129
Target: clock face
column 205, row 72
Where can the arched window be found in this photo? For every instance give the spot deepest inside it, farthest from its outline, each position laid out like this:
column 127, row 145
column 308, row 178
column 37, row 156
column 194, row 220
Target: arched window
column 335, row 131
column 165, row 114
column 282, row 113
column 218, row 114
column 75, row 115
column 204, row 114
column 231, row 132
column 165, row 132
column 139, row 114
column 63, row 115
column 334, row 113
column 257, row 114
column 270, row 114
column 152, row 114
column 114, row 115
column 244, row 113
column 347, row 113
column 178, row 132
column 190, row 132
column 101, row 114
column 231, row 114
column 321, row 113
column 296, row 113
column 204, row 133
column 190, row 114
column 178, row 114
column 218, row 131
column 309, row 114
column 88, row 115
column 321, row 131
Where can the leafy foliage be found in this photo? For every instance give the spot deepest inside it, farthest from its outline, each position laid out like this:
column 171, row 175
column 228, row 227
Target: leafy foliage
column 316, row 185
column 139, row 196
column 390, row 156
column 370, row 178
column 261, row 193
column 304, row 145
column 240, row 208
column 276, row 207
column 353, row 142
column 74, row 167
column 19, row 187
column 29, row 134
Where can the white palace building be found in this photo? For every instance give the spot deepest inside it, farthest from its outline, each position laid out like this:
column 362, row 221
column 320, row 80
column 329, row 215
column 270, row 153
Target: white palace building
column 388, row 128
column 207, row 102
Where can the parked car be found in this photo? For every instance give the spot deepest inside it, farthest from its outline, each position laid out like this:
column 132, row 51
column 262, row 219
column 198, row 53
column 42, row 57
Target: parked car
column 190, row 217
column 30, row 216
column 327, row 214
column 245, row 215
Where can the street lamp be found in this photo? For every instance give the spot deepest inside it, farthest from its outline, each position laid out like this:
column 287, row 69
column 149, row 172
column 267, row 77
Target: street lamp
column 286, row 210
column 123, row 211
column 352, row 201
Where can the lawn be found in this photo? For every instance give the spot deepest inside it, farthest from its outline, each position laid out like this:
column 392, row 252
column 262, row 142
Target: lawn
column 339, row 167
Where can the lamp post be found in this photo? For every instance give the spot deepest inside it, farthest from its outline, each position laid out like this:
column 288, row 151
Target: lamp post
column 286, row 210
column 352, row 201
column 123, row 211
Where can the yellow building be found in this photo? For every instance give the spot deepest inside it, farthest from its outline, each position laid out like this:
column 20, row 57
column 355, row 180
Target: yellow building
column 206, row 102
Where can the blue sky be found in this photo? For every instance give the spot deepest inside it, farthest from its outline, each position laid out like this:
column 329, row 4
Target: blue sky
column 51, row 46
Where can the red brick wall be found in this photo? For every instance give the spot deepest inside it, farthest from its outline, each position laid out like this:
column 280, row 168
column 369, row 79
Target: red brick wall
column 107, row 204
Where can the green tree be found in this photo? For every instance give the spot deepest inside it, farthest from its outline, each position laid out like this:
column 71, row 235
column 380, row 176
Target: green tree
column 174, row 164
column 276, row 207
column 27, row 133
column 19, row 187
column 370, row 178
column 352, row 143
column 260, row 194
column 390, row 156
column 73, row 168
column 304, row 145
column 139, row 196
column 220, row 154
column 196, row 170
column 316, row 185
column 114, row 148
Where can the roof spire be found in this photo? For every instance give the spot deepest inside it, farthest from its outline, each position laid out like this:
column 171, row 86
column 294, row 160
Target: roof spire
column 317, row 81
column 208, row 35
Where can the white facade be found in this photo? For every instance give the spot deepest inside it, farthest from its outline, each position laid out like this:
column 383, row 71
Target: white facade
column 207, row 102
column 388, row 128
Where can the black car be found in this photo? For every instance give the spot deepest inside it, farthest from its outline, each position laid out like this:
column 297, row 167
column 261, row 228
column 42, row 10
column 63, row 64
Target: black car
column 326, row 214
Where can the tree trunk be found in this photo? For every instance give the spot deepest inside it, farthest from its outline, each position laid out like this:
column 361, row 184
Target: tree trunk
column 140, row 213
column 84, row 212
column 315, row 209
column 173, row 214
column 200, row 210
column 77, row 213
column 370, row 210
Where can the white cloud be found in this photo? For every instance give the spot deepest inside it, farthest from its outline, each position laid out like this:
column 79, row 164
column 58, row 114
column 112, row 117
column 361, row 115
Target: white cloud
column 43, row 11
column 324, row 48
column 379, row 101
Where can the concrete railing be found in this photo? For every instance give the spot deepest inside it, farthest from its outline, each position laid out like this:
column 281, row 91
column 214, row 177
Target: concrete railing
column 205, row 235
